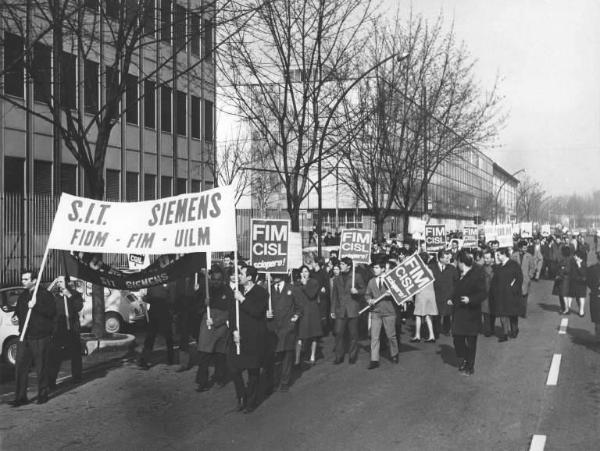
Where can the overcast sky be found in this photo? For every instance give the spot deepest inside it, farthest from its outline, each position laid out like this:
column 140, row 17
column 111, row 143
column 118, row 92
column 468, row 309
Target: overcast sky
column 547, row 53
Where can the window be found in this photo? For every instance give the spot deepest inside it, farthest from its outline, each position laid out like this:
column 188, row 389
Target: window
column 90, row 86
column 181, row 113
column 195, row 117
column 14, row 175
column 68, row 178
column 112, row 9
column 208, row 39
column 196, row 186
column 208, row 120
column 179, row 27
column 113, row 90
column 209, row 184
column 91, row 4
column 165, row 108
column 165, row 21
column 13, row 65
column 149, row 18
column 181, row 186
column 113, row 185
column 165, row 185
column 42, row 72
column 42, row 176
column 131, row 187
column 69, row 81
column 131, row 99
column 149, row 104
column 195, row 34
column 149, row 187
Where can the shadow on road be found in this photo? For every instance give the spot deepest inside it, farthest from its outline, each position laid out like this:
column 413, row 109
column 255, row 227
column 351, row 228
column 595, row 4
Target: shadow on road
column 448, row 355
column 549, row 307
column 583, row 337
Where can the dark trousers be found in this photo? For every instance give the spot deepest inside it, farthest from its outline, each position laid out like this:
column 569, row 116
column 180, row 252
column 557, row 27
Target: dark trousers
column 32, row 352
column 66, row 348
column 466, row 347
column 561, row 301
column 156, row 325
column 248, row 391
column 340, row 327
column 204, row 359
column 283, row 361
column 441, row 324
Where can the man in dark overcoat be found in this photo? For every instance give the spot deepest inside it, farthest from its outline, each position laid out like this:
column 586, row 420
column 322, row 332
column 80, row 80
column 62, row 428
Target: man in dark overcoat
column 34, row 348
column 505, row 293
column 214, row 331
column 345, row 305
column 593, row 281
column 469, row 293
column 251, row 337
column 282, row 325
column 445, row 275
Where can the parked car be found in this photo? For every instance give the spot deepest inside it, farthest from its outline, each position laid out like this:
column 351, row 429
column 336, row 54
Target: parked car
column 9, row 325
column 121, row 306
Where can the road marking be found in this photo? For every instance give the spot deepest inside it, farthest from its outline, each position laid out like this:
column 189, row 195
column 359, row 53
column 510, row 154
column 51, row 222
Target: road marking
column 538, row 442
column 563, row 326
column 554, row 368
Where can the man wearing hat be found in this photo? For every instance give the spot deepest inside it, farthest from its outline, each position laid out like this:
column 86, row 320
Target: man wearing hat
column 344, row 309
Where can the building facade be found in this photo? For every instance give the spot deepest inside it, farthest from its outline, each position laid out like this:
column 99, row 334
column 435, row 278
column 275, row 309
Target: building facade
column 162, row 145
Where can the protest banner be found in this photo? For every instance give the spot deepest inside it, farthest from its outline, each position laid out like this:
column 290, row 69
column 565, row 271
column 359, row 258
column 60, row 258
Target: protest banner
column 470, row 237
column 408, row 278
column 545, row 229
column 194, row 222
column 356, row 244
column 490, row 233
column 270, row 244
column 91, row 269
column 295, row 259
column 504, row 235
column 416, row 228
column 526, row 229
column 435, row 237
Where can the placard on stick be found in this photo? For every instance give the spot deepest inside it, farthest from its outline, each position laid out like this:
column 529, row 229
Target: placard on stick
column 269, row 250
column 356, row 244
column 435, row 237
column 408, row 278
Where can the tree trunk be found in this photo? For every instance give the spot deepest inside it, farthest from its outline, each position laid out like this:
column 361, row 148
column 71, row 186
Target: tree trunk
column 379, row 220
column 294, row 219
column 94, row 189
column 405, row 220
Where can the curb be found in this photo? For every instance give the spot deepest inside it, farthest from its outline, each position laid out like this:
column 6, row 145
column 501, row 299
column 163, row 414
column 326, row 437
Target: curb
column 116, row 342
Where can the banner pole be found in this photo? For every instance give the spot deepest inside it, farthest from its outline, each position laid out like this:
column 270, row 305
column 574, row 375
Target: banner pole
column 35, row 290
column 206, row 287
column 237, row 303
column 269, row 288
column 67, row 312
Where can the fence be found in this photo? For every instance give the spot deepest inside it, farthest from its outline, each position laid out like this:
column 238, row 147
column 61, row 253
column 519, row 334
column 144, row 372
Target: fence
column 26, row 224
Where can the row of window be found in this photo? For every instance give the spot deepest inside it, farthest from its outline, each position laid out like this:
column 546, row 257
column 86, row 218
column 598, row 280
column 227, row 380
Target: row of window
column 173, row 105
column 14, row 181
column 176, row 25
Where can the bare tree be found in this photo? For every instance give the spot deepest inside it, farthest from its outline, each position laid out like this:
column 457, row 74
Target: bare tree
column 530, row 197
column 121, row 47
column 280, row 74
column 233, row 157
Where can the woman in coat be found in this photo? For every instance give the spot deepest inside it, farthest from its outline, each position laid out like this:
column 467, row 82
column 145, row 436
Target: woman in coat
column 505, row 295
column 577, row 283
column 425, row 307
column 561, row 280
column 593, row 281
column 306, row 293
column 469, row 293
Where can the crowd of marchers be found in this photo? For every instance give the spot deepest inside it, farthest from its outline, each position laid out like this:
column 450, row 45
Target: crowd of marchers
column 257, row 332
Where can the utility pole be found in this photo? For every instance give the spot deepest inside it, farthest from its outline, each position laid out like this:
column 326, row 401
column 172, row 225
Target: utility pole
column 425, row 152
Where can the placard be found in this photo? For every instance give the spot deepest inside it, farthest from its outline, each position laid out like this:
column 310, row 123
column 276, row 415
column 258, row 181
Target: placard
column 408, row 278
column 470, row 237
column 435, row 237
column 269, row 245
column 356, row 244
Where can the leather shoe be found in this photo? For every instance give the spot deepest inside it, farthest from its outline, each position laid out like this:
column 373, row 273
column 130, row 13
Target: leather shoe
column 241, row 404
column 352, row 361
column 462, row 365
column 395, row 359
column 502, row 339
column 19, row 402
column 249, row 409
column 338, row 361
column 42, row 399
column 373, row 365
column 430, row 340
column 415, row 340
column 202, row 388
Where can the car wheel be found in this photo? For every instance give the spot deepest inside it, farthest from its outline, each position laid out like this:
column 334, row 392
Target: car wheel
column 10, row 351
column 113, row 323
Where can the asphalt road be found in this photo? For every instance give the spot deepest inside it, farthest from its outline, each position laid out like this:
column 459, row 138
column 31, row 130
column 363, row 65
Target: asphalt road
column 421, row 404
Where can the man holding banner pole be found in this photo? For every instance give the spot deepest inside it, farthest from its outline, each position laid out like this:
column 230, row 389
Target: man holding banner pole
column 35, row 311
column 344, row 309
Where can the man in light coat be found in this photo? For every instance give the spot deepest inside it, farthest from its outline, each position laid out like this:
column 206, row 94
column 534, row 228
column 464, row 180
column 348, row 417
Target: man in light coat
column 527, row 263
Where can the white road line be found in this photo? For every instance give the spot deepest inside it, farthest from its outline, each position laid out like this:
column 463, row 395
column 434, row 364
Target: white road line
column 563, row 326
column 554, row 368
column 538, row 442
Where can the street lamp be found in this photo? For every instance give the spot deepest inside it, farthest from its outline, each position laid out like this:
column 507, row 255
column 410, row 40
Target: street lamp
column 399, row 58
column 498, row 193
